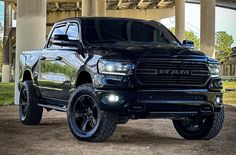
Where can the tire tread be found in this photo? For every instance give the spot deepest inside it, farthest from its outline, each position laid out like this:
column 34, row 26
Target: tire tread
column 34, row 112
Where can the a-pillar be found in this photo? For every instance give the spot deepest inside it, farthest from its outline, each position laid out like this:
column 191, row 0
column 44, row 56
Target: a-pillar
column 180, row 19
column 30, row 32
column 101, row 8
column 88, row 8
column 207, row 36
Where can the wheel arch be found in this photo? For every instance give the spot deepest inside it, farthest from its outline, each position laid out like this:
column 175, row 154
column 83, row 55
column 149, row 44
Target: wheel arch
column 27, row 75
column 83, row 76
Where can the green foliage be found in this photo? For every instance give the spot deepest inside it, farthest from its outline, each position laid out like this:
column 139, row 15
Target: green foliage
column 189, row 35
column 6, row 93
column 224, row 42
column 59, row 68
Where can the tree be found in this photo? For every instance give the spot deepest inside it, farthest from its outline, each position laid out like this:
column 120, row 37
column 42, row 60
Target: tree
column 223, row 48
column 189, row 35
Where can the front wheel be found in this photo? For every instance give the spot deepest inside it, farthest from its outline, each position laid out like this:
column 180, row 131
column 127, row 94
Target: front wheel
column 86, row 121
column 201, row 127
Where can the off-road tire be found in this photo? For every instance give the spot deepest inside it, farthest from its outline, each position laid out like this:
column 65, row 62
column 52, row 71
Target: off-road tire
column 33, row 113
column 105, row 126
column 211, row 128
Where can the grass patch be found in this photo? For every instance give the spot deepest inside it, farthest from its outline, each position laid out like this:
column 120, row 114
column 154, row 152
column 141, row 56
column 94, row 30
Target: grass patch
column 229, row 84
column 6, row 93
column 229, row 97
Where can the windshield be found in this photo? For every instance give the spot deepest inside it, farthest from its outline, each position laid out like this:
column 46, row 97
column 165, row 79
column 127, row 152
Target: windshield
column 110, row 30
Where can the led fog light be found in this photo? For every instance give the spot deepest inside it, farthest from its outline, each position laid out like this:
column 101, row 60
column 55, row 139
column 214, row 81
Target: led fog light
column 111, row 99
column 218, row 100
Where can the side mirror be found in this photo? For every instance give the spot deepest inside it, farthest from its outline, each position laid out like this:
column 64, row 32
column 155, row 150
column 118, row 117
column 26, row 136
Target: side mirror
column 188, row 44
column 63, row 40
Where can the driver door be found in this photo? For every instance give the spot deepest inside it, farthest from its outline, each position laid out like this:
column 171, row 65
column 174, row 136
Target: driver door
column 48, row 58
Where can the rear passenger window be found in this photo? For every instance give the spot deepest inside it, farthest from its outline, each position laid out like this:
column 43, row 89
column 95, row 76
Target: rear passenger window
column 73, row 32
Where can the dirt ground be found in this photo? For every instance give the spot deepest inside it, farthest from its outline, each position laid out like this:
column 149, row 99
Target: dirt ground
column 142, row 137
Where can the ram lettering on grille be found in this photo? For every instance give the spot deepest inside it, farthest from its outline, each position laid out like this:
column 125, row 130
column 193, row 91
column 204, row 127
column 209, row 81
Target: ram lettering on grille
column 171, row 73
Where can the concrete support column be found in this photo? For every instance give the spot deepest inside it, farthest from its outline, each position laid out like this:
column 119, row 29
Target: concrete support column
column 101, row 8
column 180, row 19
column 30, row 32
column 10, row 58
column 207, row 38
column 88, row 7
column 6, row 71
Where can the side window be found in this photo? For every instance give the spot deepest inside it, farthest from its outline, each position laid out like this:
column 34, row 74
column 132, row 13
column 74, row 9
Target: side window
column 73, row 32
column 56, row 31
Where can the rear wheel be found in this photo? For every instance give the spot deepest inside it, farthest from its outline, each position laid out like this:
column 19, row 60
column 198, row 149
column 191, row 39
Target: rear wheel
column 201, row 127
column 86, row 120
column 30, row 112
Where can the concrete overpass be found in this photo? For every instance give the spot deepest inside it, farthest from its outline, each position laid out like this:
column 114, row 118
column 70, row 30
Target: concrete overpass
column 228, row 4
column 34, row 15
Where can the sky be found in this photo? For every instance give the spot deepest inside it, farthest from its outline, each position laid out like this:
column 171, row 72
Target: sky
column 225, row 20
column 1, row 12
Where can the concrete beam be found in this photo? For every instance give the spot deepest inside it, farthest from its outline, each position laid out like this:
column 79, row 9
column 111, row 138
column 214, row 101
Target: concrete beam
column 57, row 6
column 13, row 5
column 228, row 4
column 88, row 7
column 180, row 19
column 140, row 3
column 78, row 5
column 101, row 8
column 119, row 4
column 148, row 14
column 31, row 21
column 207, row 35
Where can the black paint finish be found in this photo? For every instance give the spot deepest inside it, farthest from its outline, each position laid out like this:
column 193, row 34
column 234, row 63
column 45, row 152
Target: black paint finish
column 56, row 70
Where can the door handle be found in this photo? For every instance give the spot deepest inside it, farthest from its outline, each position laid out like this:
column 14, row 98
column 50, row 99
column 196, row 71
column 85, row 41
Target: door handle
column 42, row 58
column 58, row 58
column 67, row 83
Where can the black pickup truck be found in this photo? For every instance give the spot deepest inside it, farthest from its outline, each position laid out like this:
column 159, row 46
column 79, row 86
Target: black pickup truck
column 104, row 71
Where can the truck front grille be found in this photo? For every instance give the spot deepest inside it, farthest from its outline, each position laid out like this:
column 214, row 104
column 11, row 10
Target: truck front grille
column 172, row 73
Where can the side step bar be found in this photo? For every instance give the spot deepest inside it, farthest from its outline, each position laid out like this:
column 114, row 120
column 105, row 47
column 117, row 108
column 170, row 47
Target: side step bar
column 51, row 104
column 53, row 107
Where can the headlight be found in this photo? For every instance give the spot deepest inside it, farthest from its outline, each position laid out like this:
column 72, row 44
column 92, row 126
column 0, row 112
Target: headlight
column 214, row 69
column 113, row 67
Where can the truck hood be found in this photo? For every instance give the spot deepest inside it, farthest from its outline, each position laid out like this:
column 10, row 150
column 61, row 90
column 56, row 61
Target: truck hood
column 137, row 50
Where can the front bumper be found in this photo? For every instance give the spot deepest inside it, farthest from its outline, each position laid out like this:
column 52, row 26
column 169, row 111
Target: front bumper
column 161, row 103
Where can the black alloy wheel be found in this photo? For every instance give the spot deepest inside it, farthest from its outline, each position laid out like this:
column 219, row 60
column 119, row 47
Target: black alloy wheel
column 24, row 103
column 200, row 127
column 86, row 120
column 86, row 114
column 30, row 112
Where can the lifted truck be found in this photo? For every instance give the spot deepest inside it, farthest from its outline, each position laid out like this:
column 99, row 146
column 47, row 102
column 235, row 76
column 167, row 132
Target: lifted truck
column 104, row 71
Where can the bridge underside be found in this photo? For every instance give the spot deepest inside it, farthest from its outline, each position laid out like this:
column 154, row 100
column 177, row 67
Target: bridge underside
column 76, row 5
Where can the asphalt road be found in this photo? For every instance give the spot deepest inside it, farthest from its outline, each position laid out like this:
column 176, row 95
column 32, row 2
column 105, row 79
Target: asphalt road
column 142, row 137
